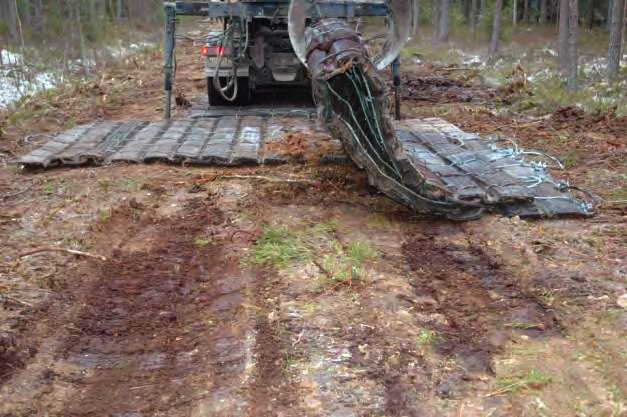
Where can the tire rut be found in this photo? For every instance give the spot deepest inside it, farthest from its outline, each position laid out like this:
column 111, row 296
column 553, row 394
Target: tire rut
column 161, row 332
column 469, row 306
column 269, row 395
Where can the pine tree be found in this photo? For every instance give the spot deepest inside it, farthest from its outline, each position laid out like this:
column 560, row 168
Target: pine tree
column 616, row 39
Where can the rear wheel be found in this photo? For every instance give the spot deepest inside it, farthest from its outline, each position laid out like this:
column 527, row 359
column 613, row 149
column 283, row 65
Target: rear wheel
column 243, row 93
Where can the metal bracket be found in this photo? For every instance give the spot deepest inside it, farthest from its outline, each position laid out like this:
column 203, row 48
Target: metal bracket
column 170, row 44
column 396, row 80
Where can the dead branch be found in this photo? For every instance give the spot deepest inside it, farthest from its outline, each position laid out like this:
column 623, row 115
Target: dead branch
column 455, row 69
column 6, row 196
column 323, row 269
column 262, row 178
column 52, row 249
column 15, row 301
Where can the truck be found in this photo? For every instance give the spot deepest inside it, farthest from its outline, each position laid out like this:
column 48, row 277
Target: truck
column 261, row 44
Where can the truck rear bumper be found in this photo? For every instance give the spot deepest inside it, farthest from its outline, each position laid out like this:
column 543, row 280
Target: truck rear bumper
column 226, row 68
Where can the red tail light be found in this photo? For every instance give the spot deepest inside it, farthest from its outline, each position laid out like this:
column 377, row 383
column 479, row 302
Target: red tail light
column 213, row 51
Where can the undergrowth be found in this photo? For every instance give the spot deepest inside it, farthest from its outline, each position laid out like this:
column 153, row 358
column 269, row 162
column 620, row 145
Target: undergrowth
column 536, row 54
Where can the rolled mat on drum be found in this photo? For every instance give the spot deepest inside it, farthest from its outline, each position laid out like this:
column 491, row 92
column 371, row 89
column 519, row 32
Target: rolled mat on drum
column 353, row 99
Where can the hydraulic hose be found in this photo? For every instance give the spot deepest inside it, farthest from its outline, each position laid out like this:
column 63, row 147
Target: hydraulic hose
column 235, row 59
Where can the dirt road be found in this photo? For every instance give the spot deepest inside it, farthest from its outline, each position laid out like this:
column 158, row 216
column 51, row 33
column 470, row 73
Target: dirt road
column 300, row 291
column 235, row 296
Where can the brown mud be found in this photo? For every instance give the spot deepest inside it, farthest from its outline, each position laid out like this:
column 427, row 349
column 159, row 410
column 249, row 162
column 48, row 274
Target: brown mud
column 178, row 321
column 360, row 308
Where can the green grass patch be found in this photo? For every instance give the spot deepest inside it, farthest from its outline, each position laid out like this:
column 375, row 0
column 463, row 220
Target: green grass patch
column 105, row 184
column 279, row 245
column 131, row 185
column 359, row 252
column 531, row 381
column 619, row 194
column 426, row 338
column 49, row 186
column 105, row 215
column 201, row 242
column 282, row 246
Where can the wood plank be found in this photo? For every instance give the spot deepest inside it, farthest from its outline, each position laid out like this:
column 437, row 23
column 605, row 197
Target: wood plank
column 164, row 148
column 133, row 150
column 196, row 139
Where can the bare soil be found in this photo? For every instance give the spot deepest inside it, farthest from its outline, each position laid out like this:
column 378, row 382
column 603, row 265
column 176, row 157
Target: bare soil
column 235, row 292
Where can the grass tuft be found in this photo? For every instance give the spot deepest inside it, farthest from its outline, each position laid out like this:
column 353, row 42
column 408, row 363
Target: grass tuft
column 282, row 246
column 532, row 381
column 279, row 245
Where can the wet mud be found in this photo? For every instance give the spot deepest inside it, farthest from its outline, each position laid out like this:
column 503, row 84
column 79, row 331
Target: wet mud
column 11, row 359
column 269, row 393
column 178, row 321
column 142, row 321
column 474, row 293
column 158, row 328
column 465, row 307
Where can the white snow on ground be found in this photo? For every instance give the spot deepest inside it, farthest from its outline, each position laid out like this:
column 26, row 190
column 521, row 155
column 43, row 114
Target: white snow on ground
column 592, row 67
column 18, row 79
column 14, row 82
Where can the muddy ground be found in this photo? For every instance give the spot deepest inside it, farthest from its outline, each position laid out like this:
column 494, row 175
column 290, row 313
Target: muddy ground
column 301, row 291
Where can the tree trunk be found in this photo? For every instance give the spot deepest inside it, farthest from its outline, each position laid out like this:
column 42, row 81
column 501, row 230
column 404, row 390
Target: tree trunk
column 473, row 17
column 616, row 39
column 624, row 29
column 496, row 30
column 10, row 14
column 573, row 56
column 38, row 15
column 590, row 14
column 562, row 39
column 119, row 11
column 514, row 12
column 435, row 16
column 466, row 9
column 443, row 27
column 543, row 11
column 526, row 11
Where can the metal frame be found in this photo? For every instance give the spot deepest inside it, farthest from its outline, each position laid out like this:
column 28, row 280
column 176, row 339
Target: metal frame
column 269, row 8
column 263, row 8
column 170, row 44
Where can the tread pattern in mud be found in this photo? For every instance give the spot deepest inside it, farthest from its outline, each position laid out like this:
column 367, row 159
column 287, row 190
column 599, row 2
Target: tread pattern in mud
column 469, row 166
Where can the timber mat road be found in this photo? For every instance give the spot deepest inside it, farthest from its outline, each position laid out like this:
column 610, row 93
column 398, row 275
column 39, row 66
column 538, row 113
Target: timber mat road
column 504, row 179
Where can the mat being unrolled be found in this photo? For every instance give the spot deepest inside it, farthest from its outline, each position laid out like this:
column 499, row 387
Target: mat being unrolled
column 354, row 100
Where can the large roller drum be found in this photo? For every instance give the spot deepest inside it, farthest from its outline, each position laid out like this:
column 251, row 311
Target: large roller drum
column 353, row 99
column 394, row 30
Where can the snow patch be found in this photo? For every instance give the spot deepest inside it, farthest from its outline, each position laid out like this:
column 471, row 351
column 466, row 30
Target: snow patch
column 475, row 59
column 19, row 79
column 15, row 80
